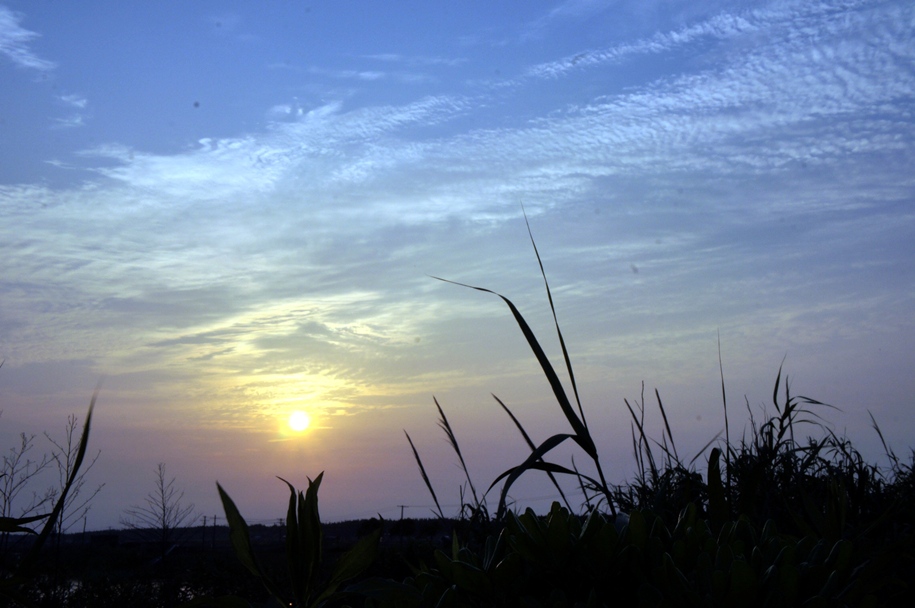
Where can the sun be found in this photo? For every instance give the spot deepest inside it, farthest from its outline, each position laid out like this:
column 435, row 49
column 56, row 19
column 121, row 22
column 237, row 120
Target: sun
column 299, row 421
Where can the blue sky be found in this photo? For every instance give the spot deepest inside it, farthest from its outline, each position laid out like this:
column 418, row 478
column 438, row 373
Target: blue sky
column 231, row 211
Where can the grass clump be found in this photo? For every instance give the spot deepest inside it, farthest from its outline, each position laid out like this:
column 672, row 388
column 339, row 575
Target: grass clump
column 780, row 517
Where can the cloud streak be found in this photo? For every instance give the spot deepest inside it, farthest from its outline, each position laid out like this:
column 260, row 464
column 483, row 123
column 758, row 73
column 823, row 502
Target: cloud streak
column 15, row 43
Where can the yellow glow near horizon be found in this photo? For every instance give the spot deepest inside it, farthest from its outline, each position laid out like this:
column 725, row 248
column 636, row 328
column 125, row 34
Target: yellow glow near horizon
column 299, row 421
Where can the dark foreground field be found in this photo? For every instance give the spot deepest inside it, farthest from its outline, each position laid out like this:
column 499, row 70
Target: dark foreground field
column 127, row 567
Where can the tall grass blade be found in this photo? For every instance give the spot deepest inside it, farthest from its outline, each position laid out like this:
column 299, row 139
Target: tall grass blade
column 727, row 431
column 644, row 448
column 562, row 342
column 452, row 439
column 886, row 449
column 422, row 471
column 667, row 426
column 778, row 379
column 581, row 485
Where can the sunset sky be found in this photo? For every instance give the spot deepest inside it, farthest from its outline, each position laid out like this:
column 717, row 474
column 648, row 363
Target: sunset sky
column 231, row 211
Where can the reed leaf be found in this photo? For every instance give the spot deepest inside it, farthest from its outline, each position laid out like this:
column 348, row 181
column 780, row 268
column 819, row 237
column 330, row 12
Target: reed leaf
column 536, row 457
column 667, row 427
column 240, row 538
column 724, row 401
column 422, row 471
column 562, row 342
column 531, row 445
column 352, row 563
column 452, row 439
column 17, row 524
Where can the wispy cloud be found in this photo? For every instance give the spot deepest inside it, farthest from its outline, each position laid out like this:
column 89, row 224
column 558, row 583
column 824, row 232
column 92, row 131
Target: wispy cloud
column 786, row 20
column 417, row 60
column 75, row 120
column 569, row 10
column 348, row 74
column 76, row 101
column 70, row 122
column 14, row 43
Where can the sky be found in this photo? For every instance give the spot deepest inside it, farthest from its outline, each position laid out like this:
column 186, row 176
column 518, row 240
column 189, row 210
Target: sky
column 227, row 212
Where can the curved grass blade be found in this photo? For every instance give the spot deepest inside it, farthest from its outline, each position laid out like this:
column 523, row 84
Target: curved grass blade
column 241, row 542
column 422, row 471
column 574, row 421
column 727, row 430
column 16, row 524
column 548, row 467
column 535, row 457
column 552, row 467
column 531, row 445
column 886, row 449
column 452, row 439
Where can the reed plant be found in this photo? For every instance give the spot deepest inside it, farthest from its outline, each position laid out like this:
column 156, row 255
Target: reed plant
column 599, row 489
column 309, row 585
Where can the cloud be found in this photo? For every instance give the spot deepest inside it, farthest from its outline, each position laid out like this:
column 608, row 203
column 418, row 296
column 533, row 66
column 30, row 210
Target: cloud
column 719, row 27
column 784, row 20
column 70, row 122
column 569, row 10
column 14, row 43
column 417, row 60
column 347, row 74
column 76, row 101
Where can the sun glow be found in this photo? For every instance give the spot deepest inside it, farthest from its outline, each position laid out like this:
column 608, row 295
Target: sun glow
column 299, row 421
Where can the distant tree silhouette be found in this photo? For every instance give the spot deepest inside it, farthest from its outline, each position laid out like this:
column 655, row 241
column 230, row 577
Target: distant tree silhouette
column 163, row 513
column 78, row 502
column 18, row 470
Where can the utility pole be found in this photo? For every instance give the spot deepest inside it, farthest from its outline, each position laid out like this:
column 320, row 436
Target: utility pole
column 214, row 531
column 401, row 510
